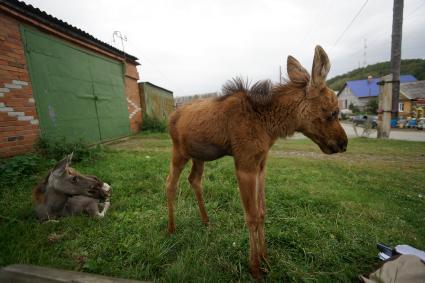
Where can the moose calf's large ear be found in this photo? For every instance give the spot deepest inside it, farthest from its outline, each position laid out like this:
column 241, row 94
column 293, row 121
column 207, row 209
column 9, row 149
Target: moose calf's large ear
column 296, row 72
column 321, row 67
column 60, row 167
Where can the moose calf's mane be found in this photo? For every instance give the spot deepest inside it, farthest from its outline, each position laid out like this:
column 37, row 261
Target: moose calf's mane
column 274, row 106
column 259, row 94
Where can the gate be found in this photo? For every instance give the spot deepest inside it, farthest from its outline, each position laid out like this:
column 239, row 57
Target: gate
column 78, row 94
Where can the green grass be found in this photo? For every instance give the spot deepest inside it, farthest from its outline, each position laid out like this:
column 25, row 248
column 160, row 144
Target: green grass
column 325, row 215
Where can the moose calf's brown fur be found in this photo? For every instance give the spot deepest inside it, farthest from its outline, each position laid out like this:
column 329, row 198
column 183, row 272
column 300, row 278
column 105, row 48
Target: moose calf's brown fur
column 245, row 123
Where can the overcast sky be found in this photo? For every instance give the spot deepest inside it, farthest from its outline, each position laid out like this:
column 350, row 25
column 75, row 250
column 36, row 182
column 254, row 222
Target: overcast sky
column 194, row 46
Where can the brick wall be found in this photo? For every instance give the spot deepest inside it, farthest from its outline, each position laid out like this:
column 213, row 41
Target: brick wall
column 19, row 128
column 18, row 118
column 133, row 97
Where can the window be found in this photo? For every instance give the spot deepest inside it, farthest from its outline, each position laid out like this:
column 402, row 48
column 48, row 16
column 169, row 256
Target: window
column 401, row 107
column 345, row 104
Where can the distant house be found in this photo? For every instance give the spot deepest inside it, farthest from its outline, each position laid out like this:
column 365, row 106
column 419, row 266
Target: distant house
column 156, row 102
column 358, row 93
column 184, row 99
column 412, row 99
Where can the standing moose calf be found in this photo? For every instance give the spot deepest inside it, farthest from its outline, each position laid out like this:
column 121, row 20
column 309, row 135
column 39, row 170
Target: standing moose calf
column 244, row 123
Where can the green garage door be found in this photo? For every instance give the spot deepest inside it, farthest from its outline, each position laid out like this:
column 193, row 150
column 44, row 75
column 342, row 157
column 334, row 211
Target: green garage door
column 78, row 95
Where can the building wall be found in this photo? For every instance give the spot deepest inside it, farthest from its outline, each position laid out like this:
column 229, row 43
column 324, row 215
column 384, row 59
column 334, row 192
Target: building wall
column 407, row 111
column 179, row 101
column 364, row 101
column 19, row 128
column 346, row 97
column 158, row 102
column 18, row 118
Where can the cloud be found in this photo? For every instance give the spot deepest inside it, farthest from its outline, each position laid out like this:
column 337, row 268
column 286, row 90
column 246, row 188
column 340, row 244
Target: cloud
column 195, row 46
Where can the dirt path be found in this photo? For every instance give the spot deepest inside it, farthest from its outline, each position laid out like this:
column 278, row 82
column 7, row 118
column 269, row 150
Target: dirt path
column 350, row 158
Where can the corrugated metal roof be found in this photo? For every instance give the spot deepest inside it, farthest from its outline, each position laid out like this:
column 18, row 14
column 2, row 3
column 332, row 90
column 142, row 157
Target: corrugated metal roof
column 41, row 16
column 366, row 88
column 414, row 90
column 151, row 84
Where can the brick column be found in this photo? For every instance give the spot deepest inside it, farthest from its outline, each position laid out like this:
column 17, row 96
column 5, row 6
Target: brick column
column 133, row 97
column 18, row 117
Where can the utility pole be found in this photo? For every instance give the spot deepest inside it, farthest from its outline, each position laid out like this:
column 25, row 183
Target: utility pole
column 390, row 85
column 396, row 54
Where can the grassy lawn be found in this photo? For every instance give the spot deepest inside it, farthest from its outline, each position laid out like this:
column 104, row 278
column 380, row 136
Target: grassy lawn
column 325, row 215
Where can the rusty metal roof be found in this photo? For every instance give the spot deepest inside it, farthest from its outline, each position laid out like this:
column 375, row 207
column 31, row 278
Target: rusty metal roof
column 51, row 21
column 151, row 84
column 413, row 90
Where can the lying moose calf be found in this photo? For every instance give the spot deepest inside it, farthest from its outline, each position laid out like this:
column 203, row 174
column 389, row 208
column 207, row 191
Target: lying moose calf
column 66, row 192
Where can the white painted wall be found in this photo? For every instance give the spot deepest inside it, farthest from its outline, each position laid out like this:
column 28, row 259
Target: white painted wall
column 347, row 95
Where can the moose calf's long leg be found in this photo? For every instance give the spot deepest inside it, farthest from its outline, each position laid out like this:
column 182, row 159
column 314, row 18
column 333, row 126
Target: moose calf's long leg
column 195, row 180
column 248, row 189
column 262, row 213
column 177, row 164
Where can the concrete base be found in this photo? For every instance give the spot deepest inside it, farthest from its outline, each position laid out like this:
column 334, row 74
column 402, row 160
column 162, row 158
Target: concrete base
column 22, row 273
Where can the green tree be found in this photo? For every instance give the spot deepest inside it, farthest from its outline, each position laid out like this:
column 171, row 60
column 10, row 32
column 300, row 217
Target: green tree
column 354, row 108
column 372, row 106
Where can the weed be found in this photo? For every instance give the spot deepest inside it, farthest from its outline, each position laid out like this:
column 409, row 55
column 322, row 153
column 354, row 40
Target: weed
column 153, row 124
column 23, row 166
column 57, row 148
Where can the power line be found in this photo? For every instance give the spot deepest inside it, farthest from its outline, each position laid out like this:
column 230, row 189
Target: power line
column 349, row 25
column 416, row 9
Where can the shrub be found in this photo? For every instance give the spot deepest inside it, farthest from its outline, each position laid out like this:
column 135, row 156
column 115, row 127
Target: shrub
column 344, row 116
column 15, row 168
column 153, row 124
column 372, row 106
column 354, row 108
column 58, row 148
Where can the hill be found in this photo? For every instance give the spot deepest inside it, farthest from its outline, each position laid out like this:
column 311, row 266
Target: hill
column 415, row 67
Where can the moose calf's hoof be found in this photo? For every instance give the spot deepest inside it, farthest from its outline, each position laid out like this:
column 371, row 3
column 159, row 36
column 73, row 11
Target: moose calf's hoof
column 256, row 274
column 171, row 229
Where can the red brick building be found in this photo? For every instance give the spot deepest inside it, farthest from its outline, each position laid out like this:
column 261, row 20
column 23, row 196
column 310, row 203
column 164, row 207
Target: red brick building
column 56, row 80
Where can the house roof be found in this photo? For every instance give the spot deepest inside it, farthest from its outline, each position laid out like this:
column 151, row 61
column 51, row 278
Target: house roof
column 369, row 88
column 151, row 84
column 49, row 20
column 413, row 90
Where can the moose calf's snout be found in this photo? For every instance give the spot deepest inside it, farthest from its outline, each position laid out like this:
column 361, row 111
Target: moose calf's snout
column 337, row 146
column 343, row 145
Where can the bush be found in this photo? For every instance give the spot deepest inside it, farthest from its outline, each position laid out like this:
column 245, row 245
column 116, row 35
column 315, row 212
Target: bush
column 344, row 116
column 49, row 151
column 153, row 124
column 58, row 148
column 18, row 167
column 354, row 109
column 372, row 106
